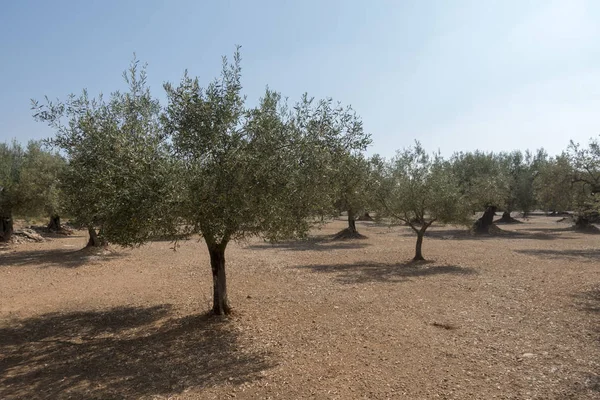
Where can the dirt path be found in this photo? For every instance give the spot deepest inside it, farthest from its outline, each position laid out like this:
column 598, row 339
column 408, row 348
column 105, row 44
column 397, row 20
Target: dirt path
column 515, row 316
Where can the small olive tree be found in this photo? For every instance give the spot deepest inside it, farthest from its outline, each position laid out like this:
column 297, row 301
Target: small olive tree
column 419, row 190
column 261, row 171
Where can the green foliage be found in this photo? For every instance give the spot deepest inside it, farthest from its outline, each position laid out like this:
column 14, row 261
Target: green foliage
column 355, row 184
column 11, row 165
column 419, row 189
column 504, row 180
column 118, row 174
column 207, row 164
column 29, row 180
column 586, row 177
column 39, row 185
column 480, row 179
column 553, row 184
column 519, row 173
column 254, row 171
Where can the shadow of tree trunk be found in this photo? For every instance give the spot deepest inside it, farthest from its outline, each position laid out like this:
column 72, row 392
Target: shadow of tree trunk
column 120, row 353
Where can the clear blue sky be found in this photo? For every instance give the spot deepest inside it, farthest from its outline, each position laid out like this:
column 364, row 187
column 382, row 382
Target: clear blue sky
column 456, row 75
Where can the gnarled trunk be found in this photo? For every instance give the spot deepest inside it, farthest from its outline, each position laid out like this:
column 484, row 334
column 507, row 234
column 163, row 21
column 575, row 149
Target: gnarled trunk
column 6, row 228
column 217, row 262
column 94, row 240
column 583, row 223
column 482, row 225
column 351, row 221
column 54, row 224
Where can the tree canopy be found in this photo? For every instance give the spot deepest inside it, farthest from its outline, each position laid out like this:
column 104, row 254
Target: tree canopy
column 118, row 175
column 585, row 162
column 419, row 189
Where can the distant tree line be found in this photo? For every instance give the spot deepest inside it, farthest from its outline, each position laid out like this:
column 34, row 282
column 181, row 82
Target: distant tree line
column 129, row 169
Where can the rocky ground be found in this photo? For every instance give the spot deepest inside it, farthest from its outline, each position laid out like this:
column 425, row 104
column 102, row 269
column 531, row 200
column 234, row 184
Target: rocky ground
column 512, row 316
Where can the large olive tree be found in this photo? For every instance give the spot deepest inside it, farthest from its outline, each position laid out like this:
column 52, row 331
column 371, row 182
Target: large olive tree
column 207, row 164
column 260, row 171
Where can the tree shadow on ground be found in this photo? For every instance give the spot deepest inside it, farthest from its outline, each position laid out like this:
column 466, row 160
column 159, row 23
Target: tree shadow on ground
column 497, row 234
column 589, row 303
column 121, row 353
column 589, row 255
column 570, row 228
column 315, row 243
column 365, row 271
column 56, row 257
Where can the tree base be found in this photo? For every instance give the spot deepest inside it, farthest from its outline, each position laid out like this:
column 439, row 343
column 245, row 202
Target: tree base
column 483, row 224
column 586, row 228
column 348, row 234
column 6, row 229
column 54, row 225
column 226, row 311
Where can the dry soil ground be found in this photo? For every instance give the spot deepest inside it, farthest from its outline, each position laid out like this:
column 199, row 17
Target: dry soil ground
column 515, row 316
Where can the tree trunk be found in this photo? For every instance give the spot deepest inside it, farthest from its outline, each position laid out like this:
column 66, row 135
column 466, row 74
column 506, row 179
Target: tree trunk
column 482, row 225
column 217, row 262
column 54, row 224
column 583, row 223
column 351, row 221
column 6, row 228
column 94, row 240
column 418, row 252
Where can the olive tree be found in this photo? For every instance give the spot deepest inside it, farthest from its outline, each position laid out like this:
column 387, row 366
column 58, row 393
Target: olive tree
column 355, row 189
column 118, row 174
column 553, row 184
column 518, row 172
column 11, row 161
column 40, row 183
column 419, row 190
column 482, row 183
column 261, row 171
column 586, row 181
